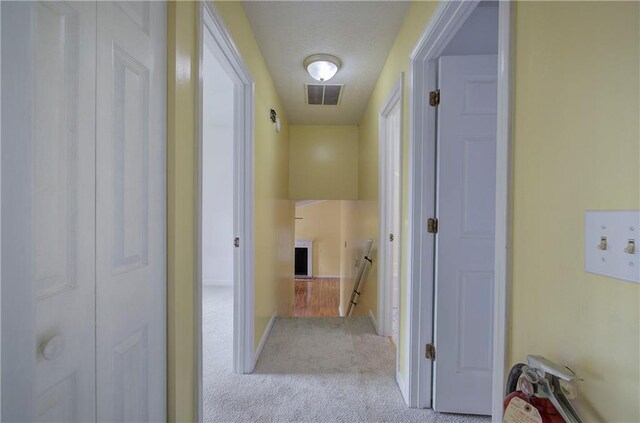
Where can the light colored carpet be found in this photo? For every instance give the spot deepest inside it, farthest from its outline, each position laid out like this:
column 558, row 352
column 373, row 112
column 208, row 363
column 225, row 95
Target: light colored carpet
column 327, row 369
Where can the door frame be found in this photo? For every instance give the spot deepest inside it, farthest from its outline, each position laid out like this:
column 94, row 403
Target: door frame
column 442, row 27
column 385, row 315
column 0, row 219
column 210, row 22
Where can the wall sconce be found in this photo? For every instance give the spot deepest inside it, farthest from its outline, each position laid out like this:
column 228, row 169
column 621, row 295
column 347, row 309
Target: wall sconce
column 275, row 119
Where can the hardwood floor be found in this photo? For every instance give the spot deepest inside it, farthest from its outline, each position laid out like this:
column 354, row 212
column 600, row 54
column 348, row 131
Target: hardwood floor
column 316, row 297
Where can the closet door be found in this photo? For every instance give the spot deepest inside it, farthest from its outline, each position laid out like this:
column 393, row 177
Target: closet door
column 48, row 211
column 131, row 281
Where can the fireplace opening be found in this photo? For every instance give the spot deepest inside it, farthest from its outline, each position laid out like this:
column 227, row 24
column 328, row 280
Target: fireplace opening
column 302, row 266
column 303, row 263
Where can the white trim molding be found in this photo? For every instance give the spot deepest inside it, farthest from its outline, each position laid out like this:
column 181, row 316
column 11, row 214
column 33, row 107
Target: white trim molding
column 402, row 384
column 210, row 23
column 0, row 221
column 385, row 306
column 504, row 163
column 263, row 340
column 374, row 323
column 444, row 24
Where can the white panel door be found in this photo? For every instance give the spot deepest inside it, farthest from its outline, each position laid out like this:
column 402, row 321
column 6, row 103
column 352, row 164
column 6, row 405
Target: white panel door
column 394, row 153
column 465, row 240
column 130, row 215
column 48, row 216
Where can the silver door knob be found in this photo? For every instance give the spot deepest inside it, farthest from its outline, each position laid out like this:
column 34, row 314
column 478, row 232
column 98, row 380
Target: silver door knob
column 53, row 347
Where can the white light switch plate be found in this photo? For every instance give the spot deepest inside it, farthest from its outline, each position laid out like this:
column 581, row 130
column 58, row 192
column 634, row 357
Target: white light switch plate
column 618, row 227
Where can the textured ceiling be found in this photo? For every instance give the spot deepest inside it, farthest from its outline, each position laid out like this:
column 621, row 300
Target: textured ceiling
column 359, row 33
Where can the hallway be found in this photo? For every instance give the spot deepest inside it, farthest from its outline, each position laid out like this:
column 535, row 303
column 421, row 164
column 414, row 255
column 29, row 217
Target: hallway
column 313, row 370
column 434, row 170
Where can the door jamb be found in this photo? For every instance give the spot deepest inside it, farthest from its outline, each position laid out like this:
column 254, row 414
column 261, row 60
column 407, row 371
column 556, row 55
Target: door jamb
column 444, row 24
column 504, row 190
column 0, row 220
column 210, row 20
column 384, row 314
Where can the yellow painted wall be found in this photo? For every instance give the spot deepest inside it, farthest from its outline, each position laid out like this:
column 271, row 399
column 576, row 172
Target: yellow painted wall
column 576, row 148
column 274, row 217
column 324, row 162
column 320, row 222
column 397, row 62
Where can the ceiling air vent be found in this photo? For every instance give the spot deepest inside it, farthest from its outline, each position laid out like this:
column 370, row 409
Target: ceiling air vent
column 323, row 95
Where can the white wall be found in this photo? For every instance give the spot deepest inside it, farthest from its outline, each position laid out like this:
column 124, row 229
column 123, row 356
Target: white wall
column 478, row 34
column 217, row 174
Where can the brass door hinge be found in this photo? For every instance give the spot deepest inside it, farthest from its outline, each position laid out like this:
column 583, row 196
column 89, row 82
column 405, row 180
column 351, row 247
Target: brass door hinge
column 430, row 352
column 434, row 98
column 432, row 225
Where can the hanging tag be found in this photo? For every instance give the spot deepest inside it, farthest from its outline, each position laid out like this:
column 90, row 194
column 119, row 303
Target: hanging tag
column 520, row 411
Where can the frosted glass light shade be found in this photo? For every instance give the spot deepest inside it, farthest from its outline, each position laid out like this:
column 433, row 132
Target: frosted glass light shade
column 322, row 67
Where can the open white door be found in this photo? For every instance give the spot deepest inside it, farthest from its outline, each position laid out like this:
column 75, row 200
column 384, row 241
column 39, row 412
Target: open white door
column 130, row 215
column 394, row 145
column 390, row 190
column 465, row 240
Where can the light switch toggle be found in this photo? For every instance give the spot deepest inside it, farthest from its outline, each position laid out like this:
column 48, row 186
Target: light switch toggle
column 631, row 247
column 603, row 243
column 610, row 244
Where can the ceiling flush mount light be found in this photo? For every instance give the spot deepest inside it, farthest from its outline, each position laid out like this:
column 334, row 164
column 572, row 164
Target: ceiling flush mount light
column 322, row 67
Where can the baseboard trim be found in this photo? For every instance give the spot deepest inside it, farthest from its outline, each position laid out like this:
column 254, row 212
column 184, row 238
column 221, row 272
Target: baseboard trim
column 340, row 311
column 374, row 322
column 403, row 388
column 217, row 282
column 263, row 340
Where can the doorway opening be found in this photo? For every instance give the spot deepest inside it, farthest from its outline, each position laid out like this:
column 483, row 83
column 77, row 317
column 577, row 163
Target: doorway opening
column 217, row 218
column 224, row 296
column 303, row 260
column 324, row 263
column 459, row 171
column 317, row 260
